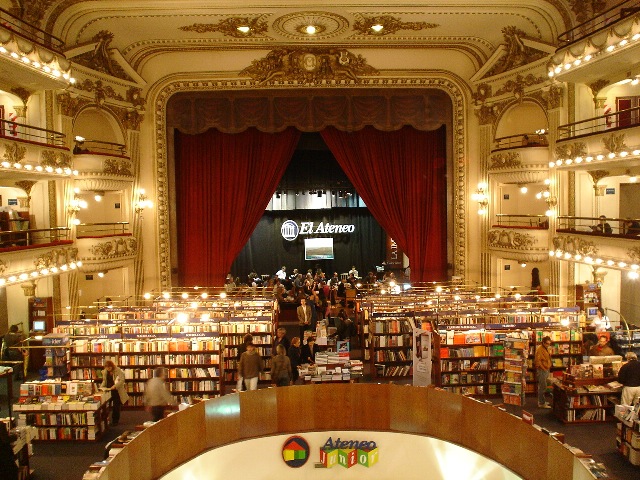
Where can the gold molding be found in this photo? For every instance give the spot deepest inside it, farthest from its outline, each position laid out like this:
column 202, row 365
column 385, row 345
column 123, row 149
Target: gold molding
column 14, row 152
column 614, row 143
column 56, row 159
column 574, row 244
column 505, row 160
column 571, row 150
column 229, row 27
column 518, row 85
column 390, row 23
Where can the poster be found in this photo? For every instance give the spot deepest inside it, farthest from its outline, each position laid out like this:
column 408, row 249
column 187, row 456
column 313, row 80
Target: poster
column 421, row 357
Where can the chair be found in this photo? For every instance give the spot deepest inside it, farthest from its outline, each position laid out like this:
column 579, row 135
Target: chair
column 344, row 276
column 350, row 296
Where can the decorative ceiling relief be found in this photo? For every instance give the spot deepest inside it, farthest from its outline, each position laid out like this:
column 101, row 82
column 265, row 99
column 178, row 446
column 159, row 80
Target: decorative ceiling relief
column 510, row 239
column 571, row 150
column 518, row 85
column 390, row 25
column 239, row 27
column 14, row 152
column 505, row 160
column 70, row 106
column 101, row 58
column 56, row 159
column 56, row 258
column 309, row 66
column 614, row 143
column 100, row 90
column 574, row 245
column 326, row 25
column 516, row 52
column 586, row 9
column 112, row 166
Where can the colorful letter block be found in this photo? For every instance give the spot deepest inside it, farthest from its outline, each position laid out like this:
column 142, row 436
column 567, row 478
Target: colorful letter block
column 348, row 457
column 328, row 458
column 368, row 457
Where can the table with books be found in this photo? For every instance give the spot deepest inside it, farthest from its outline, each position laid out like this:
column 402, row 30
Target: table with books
column 331, row 367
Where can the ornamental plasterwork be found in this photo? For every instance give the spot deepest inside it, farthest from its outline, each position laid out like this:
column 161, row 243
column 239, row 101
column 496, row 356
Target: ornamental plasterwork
column 482, row 93
column 22, row 93
column 505, row 160
column 614, row 143
column 435, row 80
column 391, row 25
column 597, row 175
column 130, row 119
column 116, row 247
column 518, row 85
column 596, row 87
column 14, row 152
column 309, row 66
column 504, row 238
column 634, row 254
column 554, row 96
column 56, row 258
column 100, row 58
column 517, row 53
column 229, row 27
column 26, row 185
column 55, row 159
column 586, row 9
column 571, row 150
column 100, row 90
column 113, row 166
column 135, row 98
column 292, row 25
column 70, row 106
column 487, row 114
column 573, row 244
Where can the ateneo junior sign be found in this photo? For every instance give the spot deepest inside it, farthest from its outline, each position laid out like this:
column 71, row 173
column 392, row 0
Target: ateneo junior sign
column 290, row 229
column 346, row 453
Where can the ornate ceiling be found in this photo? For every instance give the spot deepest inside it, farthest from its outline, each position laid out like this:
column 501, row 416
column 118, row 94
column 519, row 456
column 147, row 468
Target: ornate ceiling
column 163, row 38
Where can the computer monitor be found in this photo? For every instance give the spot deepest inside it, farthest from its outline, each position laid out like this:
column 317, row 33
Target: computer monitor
column 39, row 326
column 592, row 311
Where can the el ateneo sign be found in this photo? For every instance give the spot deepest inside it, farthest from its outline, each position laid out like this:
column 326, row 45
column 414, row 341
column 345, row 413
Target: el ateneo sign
column 290, row 229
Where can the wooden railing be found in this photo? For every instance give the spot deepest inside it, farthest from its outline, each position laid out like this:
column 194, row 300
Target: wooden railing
column 521, row 140
column 474, row 425
column 100, row 147
column 521, row 221
column 105, row 229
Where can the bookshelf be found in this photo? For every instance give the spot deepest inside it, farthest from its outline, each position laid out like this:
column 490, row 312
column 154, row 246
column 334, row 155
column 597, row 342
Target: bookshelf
column 628, row 341
column 56, row 355
column 20, row 439
column 587, row 400
column 628, row 433
column 391, row 344
column 63, row 411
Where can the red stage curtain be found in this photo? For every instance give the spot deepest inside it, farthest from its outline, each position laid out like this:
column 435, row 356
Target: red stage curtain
column 223, row 185
column 401, row 176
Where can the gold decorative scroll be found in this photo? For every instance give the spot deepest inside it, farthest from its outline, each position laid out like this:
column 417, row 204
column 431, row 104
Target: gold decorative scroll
column 229, row 27
column 391, row 25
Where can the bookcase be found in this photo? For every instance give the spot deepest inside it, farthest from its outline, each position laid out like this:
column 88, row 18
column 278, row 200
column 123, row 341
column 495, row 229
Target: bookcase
column 585, row 400
column 516, row 351
column 63, row 411
column 628, row 433
column 56, row 355
column 588, row 295
column 41, row 309
column 391, row 344
column 628, row 341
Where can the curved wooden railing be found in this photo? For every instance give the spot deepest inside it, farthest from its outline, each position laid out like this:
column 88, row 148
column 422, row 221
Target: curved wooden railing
column 475, row 425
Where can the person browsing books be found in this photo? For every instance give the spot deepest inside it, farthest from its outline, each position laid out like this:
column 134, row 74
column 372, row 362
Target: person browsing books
column 281, row 373
column 542, row 362
column 156, row 395
column 602, row 348
column 309, row 351
column 294, row 355
column 241, row 349
column 629, row 376
column 113, row 381
column 250, row 366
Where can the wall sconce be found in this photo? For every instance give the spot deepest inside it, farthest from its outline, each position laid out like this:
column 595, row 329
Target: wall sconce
column 523, row 188
column 98, row 196
column 76, row 203
column 482, row 198
column 143, row 202
column 549, row 199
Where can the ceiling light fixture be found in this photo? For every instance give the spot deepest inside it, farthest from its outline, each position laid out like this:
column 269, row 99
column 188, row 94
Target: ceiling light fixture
column 377, row 27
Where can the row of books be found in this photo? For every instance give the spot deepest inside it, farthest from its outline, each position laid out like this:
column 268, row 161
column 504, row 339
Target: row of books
column 211, row 372
column 57, row 419
column 595, row 370
column 586, row 400
column 392, row 355
column 496, row 350
column 234, row 340
column 56, row 387
column 231, row 364
column 393, row 370
column 142, row 346
column 392, row 341
column 391, row 326
column 128, row 361
column 463, row 378
column 246, row 327
column 571, row 335
column 179, row 386
column 67, row 433
column 62, row 402
column 468, row 390
column 596, row 415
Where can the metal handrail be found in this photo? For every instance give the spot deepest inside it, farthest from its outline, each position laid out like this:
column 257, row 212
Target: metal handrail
column 100, row 147
column 521, row 140
column 22, row 131
column 25, row 238
column 599, row 124
column 599, row 22
column 30, row 31
column 541, row 221
column 96, row 229
column 576, row 224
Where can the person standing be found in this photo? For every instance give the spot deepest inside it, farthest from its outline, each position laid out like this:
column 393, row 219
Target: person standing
column 601, row 322
column 602, row 348
column 304, row 316
column 281, row 339
column 542, row 362
column 156, row 395
column 281, row 371
column 248, row 338
column 308, row 353
column 629, row 376
column 294, row 354
column 250, row 366
column 11, row 340
column 282, row 273
column 113, row 381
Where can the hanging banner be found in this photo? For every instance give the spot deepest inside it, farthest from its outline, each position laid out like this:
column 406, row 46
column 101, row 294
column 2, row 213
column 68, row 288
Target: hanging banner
column 421, row 357
column 394, row 254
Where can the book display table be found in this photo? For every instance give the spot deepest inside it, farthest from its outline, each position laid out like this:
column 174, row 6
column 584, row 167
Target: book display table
column 585, row 400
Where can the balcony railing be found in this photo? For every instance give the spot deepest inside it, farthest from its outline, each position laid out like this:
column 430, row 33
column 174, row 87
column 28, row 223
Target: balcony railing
column 599, row 22
column 40, row 237
column 30, row 32
column 29, row 133
column 522, row 221
column 608, row 227
column 520, row 140
column 629, row 117
column 106, row 229
column 99, row 147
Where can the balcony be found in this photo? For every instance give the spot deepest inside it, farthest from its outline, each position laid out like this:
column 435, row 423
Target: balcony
column 33, row 151
column 105, row 246
column 33, row 56
column 521, row 158
column 103, row 165
column 606, row 242
column 598, row 141
column 35, row 253
column 609, row 42
column 521, row 237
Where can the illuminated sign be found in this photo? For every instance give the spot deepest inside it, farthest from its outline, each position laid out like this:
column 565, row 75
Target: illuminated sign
column 290, row 229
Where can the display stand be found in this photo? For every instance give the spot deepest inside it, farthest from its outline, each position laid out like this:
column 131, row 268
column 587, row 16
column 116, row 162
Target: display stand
column 628, row 432
column 516, row 351
column 585, row 400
